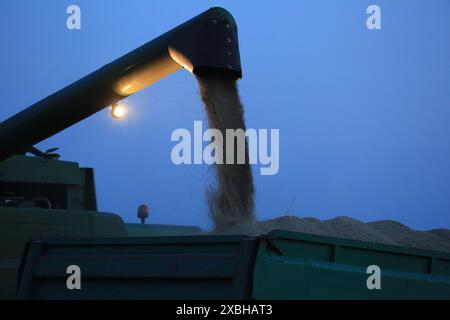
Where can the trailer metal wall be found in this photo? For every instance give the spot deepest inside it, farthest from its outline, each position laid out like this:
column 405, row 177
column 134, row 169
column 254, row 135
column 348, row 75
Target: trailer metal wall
column 280, row 265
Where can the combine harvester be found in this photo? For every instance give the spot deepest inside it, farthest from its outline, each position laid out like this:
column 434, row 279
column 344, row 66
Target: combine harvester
column 49, row 219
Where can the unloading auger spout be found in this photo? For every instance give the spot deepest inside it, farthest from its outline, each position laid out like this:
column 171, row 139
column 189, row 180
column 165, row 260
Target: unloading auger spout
column 206, row 43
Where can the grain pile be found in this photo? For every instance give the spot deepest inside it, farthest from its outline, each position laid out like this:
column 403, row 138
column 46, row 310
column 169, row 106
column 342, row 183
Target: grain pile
column 386, row 231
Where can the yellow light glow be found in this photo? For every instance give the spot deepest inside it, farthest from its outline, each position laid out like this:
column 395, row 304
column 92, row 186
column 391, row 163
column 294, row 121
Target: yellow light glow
column 118, row 111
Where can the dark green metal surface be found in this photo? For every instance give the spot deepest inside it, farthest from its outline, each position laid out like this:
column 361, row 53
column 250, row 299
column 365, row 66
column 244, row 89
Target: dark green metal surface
column 201, row 267
column 293, row 265
column 71, row 192
column 63, row 183
column 40, row 170
column 149, row 230
column 19, row 225
column 282, row 265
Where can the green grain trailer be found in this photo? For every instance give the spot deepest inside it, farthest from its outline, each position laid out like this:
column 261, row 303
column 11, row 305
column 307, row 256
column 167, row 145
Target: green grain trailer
column 281, row 265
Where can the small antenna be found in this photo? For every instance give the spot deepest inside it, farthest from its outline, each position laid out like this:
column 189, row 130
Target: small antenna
column 290, row 206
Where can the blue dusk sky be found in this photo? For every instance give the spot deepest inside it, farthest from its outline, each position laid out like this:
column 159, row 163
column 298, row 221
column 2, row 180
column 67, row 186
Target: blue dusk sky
column 364, row 115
